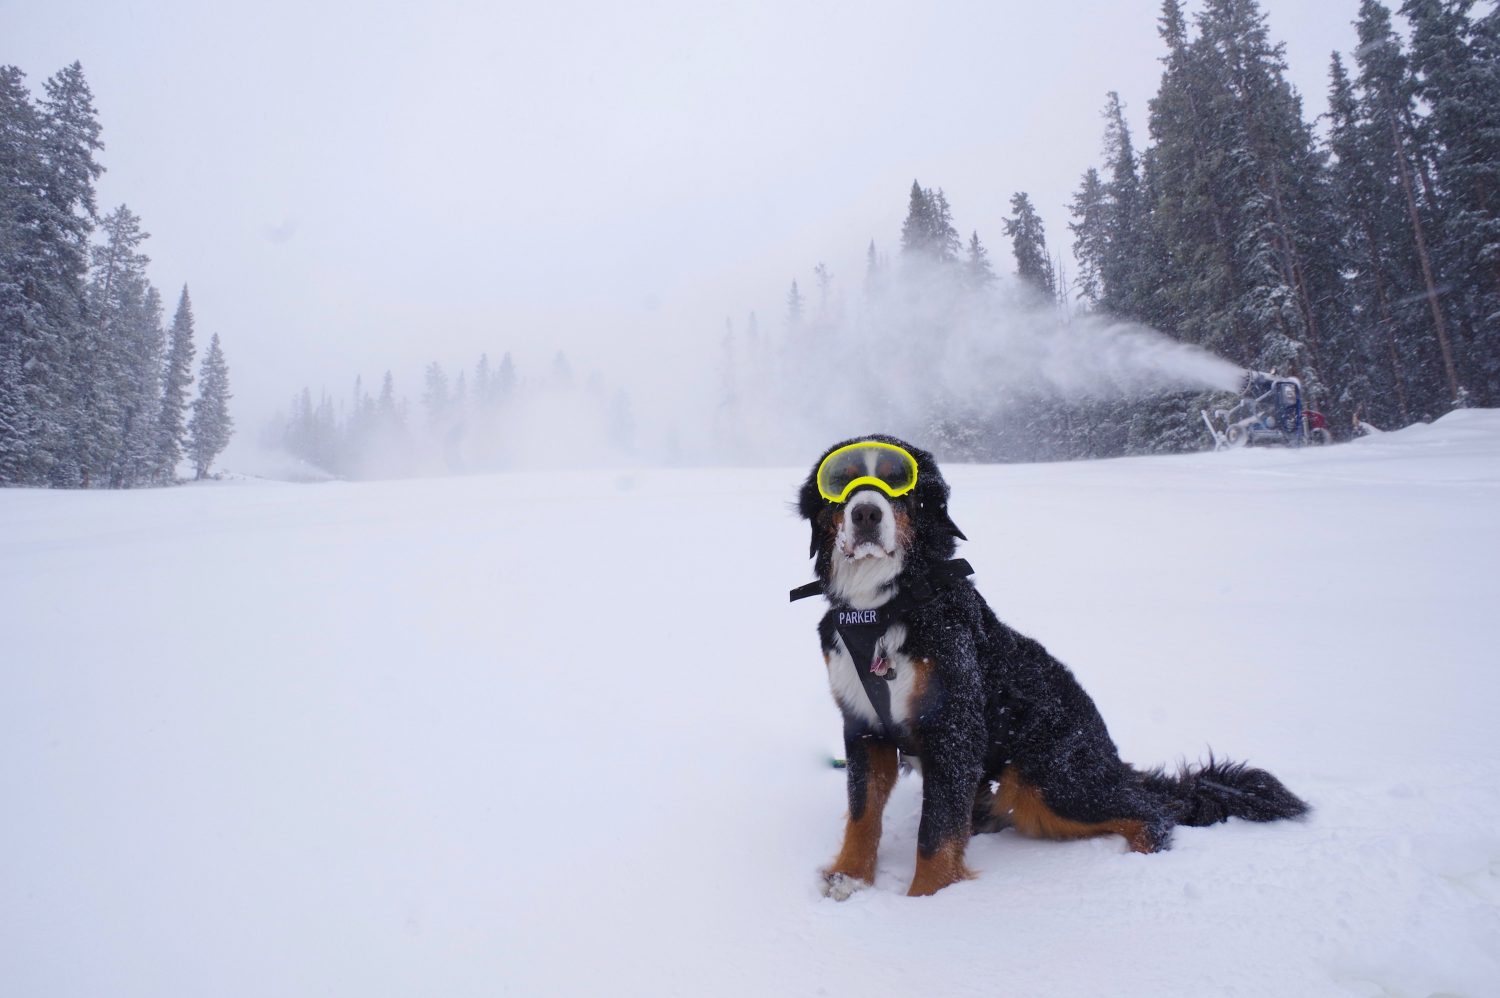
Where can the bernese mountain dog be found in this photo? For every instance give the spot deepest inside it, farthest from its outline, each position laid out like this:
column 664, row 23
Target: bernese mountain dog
column 920, row 666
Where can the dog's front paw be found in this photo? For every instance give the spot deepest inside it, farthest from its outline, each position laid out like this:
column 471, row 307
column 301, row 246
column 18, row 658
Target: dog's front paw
column 841, row 886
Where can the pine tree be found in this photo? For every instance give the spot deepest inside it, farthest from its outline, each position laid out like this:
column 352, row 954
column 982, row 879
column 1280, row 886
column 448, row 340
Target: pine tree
column 484, row 388
column 978, row 273
column 21, row 399
column 210, row 426
column 47, row 172
column 104, row 369
column 460, row 397
column 946, row 240
column 360, row 430
column 794, row 307
column 917, row 231
column 1029, row 243
column 1120, row 265
column 824, row 278
column 1365, row 342
column 1191, row 218
column 299, row 436
column 139, row 393
column 1241, row 193
column 505, row 379
column 1269, row 151
column 171, row 422
column 435, row 398
column 69, row 141
column 1402, row 214
column 1090, row 228
column 1456, row 66
column 928, row 233
column 387, row 411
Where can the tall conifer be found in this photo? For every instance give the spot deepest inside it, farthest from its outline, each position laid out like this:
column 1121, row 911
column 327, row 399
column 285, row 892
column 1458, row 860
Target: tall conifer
column 210, row 426
column 171, row 424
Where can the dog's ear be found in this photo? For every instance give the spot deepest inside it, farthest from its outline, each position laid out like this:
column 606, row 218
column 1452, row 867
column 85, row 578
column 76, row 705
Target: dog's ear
column 808, row 503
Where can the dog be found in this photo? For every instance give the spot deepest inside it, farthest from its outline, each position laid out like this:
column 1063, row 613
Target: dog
column 921, row 667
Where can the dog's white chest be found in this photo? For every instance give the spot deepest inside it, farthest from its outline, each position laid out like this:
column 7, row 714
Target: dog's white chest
column 849, row 692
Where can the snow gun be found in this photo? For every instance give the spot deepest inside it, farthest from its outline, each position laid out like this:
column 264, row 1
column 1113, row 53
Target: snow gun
column 1271, row 411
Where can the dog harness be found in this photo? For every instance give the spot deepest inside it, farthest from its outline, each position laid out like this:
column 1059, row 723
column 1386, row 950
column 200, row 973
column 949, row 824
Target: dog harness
column 861, row 630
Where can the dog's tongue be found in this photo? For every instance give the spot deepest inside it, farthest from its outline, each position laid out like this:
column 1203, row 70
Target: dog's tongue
column 880, row 666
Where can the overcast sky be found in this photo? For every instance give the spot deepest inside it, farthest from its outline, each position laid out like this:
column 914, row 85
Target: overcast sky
column 349, row 187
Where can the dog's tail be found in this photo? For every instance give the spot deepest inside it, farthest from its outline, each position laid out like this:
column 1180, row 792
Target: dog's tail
column 1206, row 795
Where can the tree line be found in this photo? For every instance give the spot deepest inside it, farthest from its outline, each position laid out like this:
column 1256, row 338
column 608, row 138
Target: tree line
column 94, row 391
column 1365, row 260
column 1360, row 254
column 486, row 419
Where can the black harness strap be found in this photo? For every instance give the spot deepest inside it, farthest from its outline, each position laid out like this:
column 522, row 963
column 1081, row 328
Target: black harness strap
column 861, row 630
column 947, row 571
column 814, row 588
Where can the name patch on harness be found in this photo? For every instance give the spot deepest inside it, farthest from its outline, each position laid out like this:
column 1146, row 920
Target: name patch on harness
column 859, row 617
column 861, row 631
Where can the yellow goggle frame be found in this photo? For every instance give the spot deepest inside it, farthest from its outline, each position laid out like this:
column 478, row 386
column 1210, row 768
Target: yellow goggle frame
column 846, row 469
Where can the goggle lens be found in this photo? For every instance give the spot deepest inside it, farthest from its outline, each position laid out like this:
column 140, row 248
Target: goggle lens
column 887, row 467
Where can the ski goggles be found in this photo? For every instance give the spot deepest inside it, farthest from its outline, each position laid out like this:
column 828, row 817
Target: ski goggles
column 889, row 468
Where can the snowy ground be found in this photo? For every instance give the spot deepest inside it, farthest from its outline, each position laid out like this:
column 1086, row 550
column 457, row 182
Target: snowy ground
column 562, row 734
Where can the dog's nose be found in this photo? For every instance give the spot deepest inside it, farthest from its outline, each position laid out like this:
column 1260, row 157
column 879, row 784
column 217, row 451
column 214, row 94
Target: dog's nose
column 865, row 515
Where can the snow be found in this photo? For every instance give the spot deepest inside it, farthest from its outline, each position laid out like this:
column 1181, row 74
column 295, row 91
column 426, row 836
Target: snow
column 561, row 733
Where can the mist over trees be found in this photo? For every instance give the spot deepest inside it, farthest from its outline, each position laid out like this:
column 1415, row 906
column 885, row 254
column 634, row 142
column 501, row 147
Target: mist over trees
column 92, row 389
column 1361, row 255
column 487, row 419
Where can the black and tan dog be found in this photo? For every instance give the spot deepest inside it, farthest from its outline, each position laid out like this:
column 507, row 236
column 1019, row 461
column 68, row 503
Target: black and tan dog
column 920, row 665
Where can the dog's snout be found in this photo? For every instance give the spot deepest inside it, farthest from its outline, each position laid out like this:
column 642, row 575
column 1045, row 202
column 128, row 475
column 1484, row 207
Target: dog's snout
column 868, row 527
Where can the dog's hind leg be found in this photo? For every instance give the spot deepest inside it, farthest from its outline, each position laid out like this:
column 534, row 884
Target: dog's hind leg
column 871, row 773
column 1067, row 810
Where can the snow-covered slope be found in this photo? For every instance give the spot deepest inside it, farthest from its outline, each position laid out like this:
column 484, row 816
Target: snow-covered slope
column 562, row 734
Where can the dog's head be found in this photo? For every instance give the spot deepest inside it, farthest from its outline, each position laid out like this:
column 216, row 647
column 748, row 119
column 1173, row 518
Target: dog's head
column 866, row 539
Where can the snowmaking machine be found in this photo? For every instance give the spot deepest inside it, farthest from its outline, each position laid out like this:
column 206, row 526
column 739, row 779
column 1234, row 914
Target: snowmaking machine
column 1271, row 410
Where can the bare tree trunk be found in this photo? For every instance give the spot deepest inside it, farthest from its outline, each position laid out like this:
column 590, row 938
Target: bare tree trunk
column 1388, row 325
column 1303, row 299
column 1439, row 325
column 1221, row 240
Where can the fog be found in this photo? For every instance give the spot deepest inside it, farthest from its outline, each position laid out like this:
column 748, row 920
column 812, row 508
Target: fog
column 922, row 355
column 355, row 188
column 973, row 369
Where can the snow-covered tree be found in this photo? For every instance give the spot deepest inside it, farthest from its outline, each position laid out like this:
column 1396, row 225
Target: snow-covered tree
column 1090, row 228
column 1455, row 62
column 210, row 426
column 435, row 397
column 794, row 306
column 505, row 378
column 47, row 173
column 928, row 233
column 1029, row 243
column 171, row 423
column 978, row 273
column 108, row 386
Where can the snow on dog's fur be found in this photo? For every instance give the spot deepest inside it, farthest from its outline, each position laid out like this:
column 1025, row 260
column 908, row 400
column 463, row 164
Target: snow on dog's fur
column 1006, row 736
